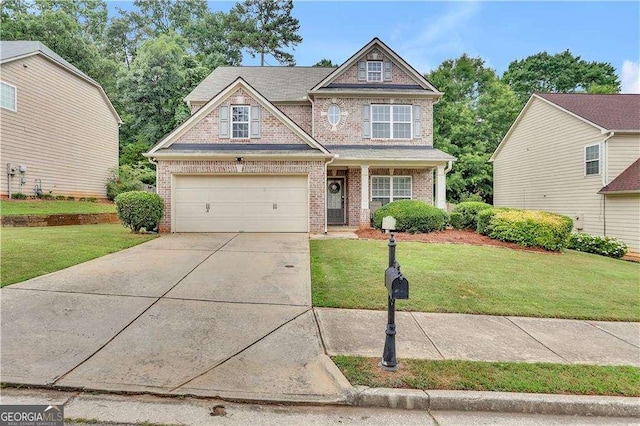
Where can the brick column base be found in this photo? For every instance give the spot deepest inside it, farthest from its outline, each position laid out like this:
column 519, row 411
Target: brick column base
column 164, row 229
column 365, row 218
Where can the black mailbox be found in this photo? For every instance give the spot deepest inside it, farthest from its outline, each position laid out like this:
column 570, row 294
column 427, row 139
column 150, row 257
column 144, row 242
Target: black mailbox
column 396, row 283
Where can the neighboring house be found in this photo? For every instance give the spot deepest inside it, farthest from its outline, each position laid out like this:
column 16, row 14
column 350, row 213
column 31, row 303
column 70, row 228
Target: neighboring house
column 58, row 130
column 575, row 154
column 294, row 149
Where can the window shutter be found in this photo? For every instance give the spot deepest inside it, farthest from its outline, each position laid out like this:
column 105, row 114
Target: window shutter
column 362, row 70
column 366, row 120
column 417, row 121
column 223, row 121
column 255, row 121
column 388, row 67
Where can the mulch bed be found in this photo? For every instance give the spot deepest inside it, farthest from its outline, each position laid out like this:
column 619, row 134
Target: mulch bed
column 447, row 236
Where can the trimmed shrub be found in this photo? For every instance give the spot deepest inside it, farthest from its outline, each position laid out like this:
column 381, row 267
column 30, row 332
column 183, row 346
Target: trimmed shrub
column 604, row 246
column 412, row 216
column 71, row 198
column 456, row 221
column 60, row 197
column 139, row 209
column 469, row 211
column 47, row 197
column 92, row 199
column 528, row 228
column 18, row 196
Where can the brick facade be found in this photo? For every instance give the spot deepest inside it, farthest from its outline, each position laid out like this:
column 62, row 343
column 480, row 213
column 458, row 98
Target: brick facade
column 299, row 113
column 314, row 169
column 398, row 76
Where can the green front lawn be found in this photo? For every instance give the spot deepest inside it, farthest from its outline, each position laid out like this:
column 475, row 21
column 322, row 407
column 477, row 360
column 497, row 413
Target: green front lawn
column 494, row 376
column 477, row 279
column 30, row 252
column 22, row 207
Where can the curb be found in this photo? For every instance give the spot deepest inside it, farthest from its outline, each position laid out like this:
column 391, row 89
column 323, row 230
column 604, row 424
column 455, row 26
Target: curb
column 502, row 402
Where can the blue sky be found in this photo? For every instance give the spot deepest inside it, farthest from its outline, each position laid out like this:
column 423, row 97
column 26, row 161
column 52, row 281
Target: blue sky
column 426, row 33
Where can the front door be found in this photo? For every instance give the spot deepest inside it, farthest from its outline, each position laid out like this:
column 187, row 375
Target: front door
column 335, row 201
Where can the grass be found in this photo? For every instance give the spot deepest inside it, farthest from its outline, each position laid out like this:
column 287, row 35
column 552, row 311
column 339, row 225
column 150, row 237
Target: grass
column 22, row 207
column 30, row 252
column 494, row 376
column 477, row 280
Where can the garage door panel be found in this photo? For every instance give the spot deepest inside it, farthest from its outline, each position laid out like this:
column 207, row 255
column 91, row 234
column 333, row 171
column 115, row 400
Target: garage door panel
column 241, row 204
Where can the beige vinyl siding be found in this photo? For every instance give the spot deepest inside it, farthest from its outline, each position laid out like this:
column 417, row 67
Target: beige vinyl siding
column 63, row 131
column 623, row 219
column 541, row 166
column 622, row 151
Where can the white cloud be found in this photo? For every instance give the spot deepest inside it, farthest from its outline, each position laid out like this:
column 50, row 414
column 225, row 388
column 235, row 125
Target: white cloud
column 436, row 34
column 630, row 77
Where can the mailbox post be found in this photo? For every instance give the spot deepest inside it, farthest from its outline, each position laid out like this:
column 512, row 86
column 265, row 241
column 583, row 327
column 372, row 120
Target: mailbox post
column 397, row 288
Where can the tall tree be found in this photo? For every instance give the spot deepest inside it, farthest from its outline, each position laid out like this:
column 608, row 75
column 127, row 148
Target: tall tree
column 469, row 122
column 562, row 73
column 265, row 27
column 325, row 63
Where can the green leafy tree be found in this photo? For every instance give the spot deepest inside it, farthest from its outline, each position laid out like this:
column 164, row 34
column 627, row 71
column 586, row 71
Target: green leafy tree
column 561, row 73
column 325, row 63
column 265, row 27
column 469, row 122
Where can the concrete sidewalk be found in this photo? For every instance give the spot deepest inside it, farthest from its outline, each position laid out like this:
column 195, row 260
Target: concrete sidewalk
column 481, row 337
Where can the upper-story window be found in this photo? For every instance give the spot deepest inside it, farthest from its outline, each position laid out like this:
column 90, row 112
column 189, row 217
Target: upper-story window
column 374, row 70
column 240, row 121
column 592, row 160
column 391, row 122
column 333, row 114
column 8, row 96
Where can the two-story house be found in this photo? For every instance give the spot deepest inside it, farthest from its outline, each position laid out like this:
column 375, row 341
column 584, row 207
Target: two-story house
column 295, row 149
column 59, row 130
column 575, row 154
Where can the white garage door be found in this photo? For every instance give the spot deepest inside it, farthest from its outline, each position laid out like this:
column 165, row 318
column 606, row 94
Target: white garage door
column 240, row 204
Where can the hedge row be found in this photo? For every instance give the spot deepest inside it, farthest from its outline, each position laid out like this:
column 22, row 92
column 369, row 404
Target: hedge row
column 604, row 246
column 412, row 216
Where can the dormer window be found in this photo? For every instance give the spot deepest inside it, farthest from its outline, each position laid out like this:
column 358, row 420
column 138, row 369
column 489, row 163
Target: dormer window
column 240, row 121
column 374, row 70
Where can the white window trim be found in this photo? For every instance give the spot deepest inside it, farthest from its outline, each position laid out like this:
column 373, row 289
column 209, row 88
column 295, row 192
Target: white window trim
column 15, row 97
column 381, row 71
column 391, row 200
column 584, row 167
column 248, row 122
column 391, row 122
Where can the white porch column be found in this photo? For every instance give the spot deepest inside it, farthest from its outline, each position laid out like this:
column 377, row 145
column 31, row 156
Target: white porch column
column 364, row 196
column 441, row 188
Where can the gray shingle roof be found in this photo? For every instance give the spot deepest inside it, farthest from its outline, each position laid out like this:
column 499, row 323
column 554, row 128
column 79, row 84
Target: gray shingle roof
column 389, row 152
column 14, row 49
column 274, row 83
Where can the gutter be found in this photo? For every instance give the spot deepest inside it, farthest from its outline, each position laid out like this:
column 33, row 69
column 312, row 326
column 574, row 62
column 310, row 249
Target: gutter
column 605, row 159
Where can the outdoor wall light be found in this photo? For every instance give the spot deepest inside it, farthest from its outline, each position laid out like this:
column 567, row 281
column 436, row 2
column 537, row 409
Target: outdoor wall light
column 239, row 164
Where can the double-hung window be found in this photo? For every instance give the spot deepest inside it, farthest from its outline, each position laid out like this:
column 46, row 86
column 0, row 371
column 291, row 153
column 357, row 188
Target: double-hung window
column 240, row 121
column 592, row 160
column 391, row 121
column 8, row 96
column 374, row 70
column 390, row 188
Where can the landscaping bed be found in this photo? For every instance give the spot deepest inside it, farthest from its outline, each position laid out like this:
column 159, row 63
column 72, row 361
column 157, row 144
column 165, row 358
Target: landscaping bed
column 50, row 207
column 462, row 278
column 32, row 220
column 494, row 376
column 462, row 236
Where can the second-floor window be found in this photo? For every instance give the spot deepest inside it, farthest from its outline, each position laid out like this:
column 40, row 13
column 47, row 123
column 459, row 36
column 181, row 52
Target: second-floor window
column 374, row 70
column 240, row 121
column 592, row 160
column 391, row 122
column 8, row 96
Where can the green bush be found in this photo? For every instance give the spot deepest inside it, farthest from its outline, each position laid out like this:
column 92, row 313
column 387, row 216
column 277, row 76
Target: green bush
column 412, row 216
column 92, row 199
column 128, row 178
column 139, row 209
column 82, row 199
column 530, row 228
column 18, row 196
column 71, row 198
column 47, row 197
column 469, row 211
column 456, row 221
column 60, row 197
column 604, row 246
column 484, row 220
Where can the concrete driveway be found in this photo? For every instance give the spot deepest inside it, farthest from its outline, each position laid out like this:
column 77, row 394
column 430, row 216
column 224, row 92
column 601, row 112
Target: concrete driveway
column 224, row 315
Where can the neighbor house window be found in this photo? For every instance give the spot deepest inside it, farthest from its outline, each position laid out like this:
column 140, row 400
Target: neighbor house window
column 390, row 188
column 8, row 96
column 374, row 70
column 391, row 121
column 240, row 122
column 592, row 160
column 334, row 114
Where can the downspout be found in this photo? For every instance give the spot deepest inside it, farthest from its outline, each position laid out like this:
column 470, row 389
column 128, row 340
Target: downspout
column 605, row 179
column 313, row 117
column 326, row 165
